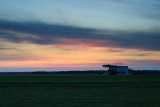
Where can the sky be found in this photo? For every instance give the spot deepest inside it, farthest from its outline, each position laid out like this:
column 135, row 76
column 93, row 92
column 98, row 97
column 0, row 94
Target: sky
column 80, row 33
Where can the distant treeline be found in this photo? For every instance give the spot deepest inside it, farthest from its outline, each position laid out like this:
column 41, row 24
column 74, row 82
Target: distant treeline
column 98, row 72
column 89, row 72
column 144, row 72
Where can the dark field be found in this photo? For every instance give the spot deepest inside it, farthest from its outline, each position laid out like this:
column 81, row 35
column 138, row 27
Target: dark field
column 77, row 78
column 79, row 91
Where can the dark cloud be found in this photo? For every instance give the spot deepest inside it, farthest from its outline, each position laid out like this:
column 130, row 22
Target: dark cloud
column 11, row 58
column 18, row 58
column 5, row 33
column 6, row 48
column 139, row 54
column 9, row 36
column 144, row 54
column 114, row 50
column 138, row 40
column 45, row 29
column 43, row 33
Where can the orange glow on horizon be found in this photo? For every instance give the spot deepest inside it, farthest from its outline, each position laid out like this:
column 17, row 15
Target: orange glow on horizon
column 30, row 55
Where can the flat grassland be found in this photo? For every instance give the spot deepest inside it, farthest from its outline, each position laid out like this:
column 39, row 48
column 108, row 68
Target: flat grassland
column 79, row 91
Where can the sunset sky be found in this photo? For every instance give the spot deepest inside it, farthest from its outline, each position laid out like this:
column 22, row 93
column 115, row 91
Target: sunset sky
column 79, row 33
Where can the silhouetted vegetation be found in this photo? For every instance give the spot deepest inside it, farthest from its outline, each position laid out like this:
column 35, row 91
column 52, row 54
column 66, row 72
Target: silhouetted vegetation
column 144, row 72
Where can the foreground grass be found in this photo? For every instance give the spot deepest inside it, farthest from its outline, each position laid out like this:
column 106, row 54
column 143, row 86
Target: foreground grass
column 79, row 97
column 78, row 78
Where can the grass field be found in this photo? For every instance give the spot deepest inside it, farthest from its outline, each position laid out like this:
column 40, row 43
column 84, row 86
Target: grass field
column 78, row 78
column 78, row 96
